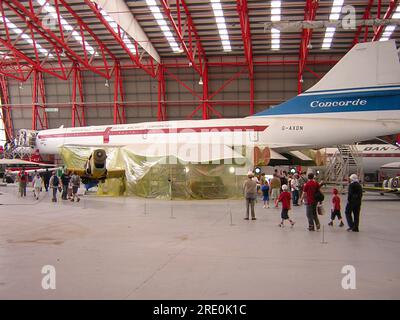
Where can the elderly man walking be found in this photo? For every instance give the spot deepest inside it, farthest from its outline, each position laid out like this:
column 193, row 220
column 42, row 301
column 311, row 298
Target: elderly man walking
column 353, row 206
column 250, row 193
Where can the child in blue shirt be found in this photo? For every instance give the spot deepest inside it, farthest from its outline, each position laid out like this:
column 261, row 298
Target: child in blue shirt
column 265, row 192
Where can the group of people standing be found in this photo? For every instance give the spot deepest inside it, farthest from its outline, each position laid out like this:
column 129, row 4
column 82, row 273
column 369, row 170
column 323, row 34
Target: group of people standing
column 294, row 188
column 67, row 184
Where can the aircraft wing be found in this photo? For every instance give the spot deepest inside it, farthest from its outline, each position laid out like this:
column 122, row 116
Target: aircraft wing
column 79, row 171
column 115, row 173
column 16, row 162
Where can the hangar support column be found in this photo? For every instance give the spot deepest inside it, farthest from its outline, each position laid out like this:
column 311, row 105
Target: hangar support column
column 39, row 117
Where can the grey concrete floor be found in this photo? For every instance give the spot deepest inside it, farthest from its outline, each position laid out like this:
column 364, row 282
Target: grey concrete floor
column 132, row 248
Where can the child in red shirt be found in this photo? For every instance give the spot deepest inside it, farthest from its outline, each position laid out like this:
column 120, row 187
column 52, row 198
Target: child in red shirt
column 285, row 197
column 335, row 212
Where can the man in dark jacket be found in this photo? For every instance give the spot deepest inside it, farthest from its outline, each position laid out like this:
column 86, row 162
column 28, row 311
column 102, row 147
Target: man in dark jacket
column 353, row 203
column 46, row 179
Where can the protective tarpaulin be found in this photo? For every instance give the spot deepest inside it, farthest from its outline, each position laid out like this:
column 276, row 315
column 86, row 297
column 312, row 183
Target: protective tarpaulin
column 167, row 174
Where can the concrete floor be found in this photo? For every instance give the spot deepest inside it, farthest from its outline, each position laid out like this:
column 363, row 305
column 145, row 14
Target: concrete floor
column 128, row 248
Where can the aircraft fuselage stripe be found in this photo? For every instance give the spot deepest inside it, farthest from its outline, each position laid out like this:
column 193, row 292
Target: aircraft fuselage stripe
column 111, row 132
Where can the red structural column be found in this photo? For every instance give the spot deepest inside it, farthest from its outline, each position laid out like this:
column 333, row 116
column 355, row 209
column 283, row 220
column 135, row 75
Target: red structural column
column 39, row 117
column 242, row 10
column 205, row 114
column 78, row 110
column 309, row 15
column 119, row 104
column 5, row 108
column 366, row 15
column 161, row 103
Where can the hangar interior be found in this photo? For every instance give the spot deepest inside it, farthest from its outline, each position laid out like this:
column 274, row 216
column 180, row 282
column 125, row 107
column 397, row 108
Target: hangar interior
column 76, row 65
column 80, row 63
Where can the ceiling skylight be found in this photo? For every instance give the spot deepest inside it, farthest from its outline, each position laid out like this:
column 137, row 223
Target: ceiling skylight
column 221, row 24
column 275, row 33
column 155, row 10
column 52, row 11
column 334, row 16
column 387, row 33
column 24, row 36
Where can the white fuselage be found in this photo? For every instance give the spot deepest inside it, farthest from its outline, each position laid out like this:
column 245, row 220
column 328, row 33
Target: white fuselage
column 277, row 132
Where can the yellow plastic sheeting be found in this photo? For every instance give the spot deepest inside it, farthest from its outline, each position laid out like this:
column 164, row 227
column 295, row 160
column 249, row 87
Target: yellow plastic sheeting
column 163, row 177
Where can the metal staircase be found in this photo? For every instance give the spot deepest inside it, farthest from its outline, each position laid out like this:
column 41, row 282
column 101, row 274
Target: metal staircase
column 346, row 161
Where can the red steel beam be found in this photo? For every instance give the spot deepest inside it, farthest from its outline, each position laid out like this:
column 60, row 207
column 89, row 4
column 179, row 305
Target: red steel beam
column 23, row 65
column 243, row 12
column 161, row 102
column 366, row 15
column 388, row 14
column 246, row 34
column 78, row 109
column 310, row 12
column 189, row 40
column 119, row 105
column 5, row 108
column 39, row 116
column 136, row 58
column 34, row 22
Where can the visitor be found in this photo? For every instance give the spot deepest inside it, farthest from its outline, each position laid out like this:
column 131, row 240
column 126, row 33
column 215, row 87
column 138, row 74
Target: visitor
column 46, row 179
column 250, row 193
column 265, row 192
column 54, row 183
column 76, row 183
column 285, row 198
column 64, row 184
column 353, row 206
column 37, row 185
column 22, row 179
column 294, row 186
column 302, row 182
column 308, row 196
column 335, row 212
column 275, row 188
column 284, row 179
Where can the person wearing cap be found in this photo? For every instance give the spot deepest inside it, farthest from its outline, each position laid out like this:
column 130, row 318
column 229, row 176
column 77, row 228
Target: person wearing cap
column 353, row 206
column 285, row 197
column 335, row 212
column 250, row 193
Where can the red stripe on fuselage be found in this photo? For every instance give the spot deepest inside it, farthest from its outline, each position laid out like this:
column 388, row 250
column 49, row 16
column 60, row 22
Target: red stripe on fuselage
column 381, row 155
column 151, row 131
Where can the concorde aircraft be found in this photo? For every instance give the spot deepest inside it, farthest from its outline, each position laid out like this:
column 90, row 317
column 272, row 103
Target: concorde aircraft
column 358, row 99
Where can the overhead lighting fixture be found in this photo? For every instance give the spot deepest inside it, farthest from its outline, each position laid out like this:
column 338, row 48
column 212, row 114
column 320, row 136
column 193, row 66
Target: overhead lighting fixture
column 387, row 33
column 396, row 15
column 106, row 84
column 24, row 36
column 20, row 86
column 275, row 16
column 330, row 31
column 336, row 10
column 155, row 10
column 221, row 25
column 52, row 11
column 4, row 55
column 201, row 81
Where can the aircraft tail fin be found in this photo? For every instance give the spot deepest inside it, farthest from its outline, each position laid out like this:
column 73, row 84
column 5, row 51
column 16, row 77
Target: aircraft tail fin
column 365, row 80
column 366, row 65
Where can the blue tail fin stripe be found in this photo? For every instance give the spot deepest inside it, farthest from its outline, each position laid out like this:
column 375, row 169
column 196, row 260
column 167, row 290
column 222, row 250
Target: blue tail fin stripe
column 343, row 102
